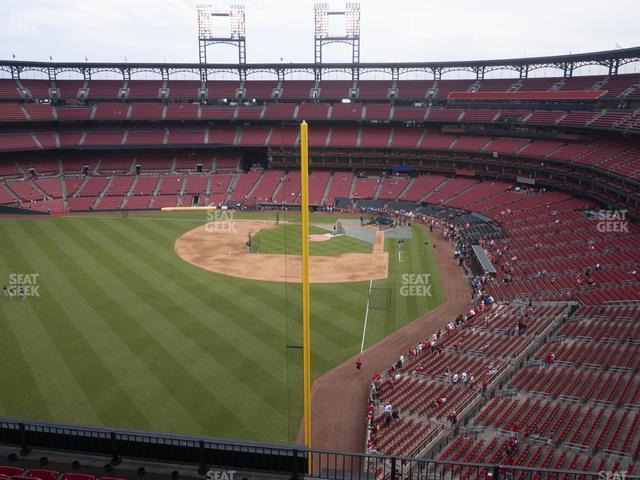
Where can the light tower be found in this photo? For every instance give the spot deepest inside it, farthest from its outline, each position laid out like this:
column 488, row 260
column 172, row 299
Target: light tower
column 350, row 37
column 206, row 36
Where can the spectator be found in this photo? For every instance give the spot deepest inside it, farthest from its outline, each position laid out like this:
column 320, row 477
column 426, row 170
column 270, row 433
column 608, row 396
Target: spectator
column 521, row 326
column 388, row 411
column 370, row 409
column 508, row 452
column 453, row 417
column 371, row 450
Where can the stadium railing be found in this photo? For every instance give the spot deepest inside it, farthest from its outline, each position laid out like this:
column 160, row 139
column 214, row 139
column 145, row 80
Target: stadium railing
column 273, row 458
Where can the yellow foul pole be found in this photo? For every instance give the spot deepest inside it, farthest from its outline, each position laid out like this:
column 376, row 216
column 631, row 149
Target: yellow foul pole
column 306, row 313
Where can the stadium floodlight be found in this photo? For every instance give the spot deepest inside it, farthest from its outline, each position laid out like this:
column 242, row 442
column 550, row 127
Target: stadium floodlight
column 237, row 22
column 205, row 21
column 353, row 20
column 351, row 35
column 206, row 36
column 321, row 20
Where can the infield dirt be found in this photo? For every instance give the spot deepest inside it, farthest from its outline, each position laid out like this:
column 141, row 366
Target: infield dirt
column 222, row 249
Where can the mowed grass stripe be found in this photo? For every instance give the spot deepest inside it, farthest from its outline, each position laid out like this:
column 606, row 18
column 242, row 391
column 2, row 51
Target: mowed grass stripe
column 49, row 345
column 284, row 304
column 194, row 308
column 126, row 388
column 337, row 336
column 343, row 325
column 261, row 303
column 400, row 304
column 341, row 309
column 430, row 265
column 287, row 238
column 166, row 374
column 273, row 304
column 406, row 305
column 422, row 257
column 165, row 311
column 185, row 367
column 22, row 391
column 214, row 303
column 42, row 392
column 23, row 396
column 201, row 372
column 336, row 318
column 102, row 386
column 407, row 302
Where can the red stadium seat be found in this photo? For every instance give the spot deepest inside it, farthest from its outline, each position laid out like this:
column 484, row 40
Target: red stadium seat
column 42, row 474
column 10, row 471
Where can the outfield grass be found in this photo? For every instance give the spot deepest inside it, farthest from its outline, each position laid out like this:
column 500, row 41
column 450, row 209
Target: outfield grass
column 287, row 239
column 127, row 334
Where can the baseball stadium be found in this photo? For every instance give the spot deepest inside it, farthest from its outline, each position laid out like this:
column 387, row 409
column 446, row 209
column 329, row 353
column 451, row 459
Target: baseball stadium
column 421, row 270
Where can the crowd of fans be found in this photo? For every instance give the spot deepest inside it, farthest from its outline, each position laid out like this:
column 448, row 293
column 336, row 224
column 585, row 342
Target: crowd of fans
column 383, row 415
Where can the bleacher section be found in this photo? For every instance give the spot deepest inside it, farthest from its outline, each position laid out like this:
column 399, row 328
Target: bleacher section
column 543, row 174
column 618, row 120
column 446, row 375
column 575, row 405
column 266, row 186
column 576, row 402
column 119, row 184
column 341, row 183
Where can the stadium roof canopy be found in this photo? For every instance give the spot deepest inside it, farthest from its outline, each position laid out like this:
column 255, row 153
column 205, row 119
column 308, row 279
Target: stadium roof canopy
column 567, row 64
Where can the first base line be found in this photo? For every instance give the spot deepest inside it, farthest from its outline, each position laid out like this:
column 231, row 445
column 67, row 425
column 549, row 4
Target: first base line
column 366, row 316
